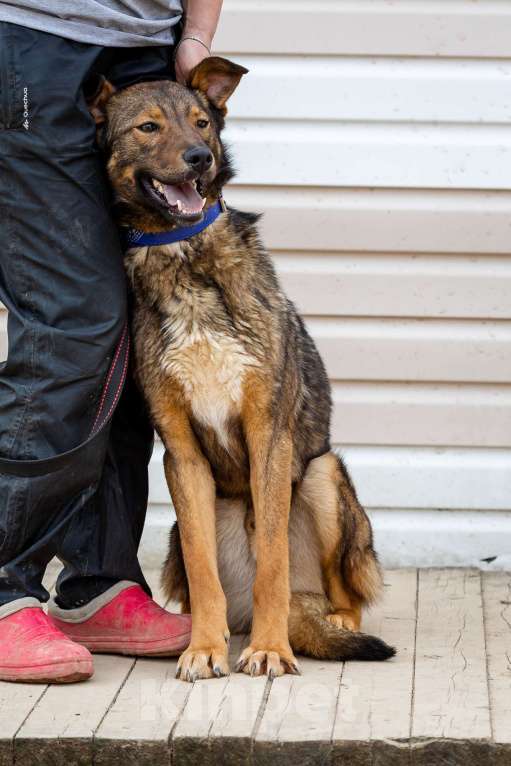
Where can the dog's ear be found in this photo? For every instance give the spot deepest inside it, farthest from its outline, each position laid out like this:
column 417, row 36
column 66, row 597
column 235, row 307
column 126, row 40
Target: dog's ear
column 217, row 78
column 97, row 95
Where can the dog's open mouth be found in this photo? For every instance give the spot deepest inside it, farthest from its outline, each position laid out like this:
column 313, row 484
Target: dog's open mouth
column 183, row 199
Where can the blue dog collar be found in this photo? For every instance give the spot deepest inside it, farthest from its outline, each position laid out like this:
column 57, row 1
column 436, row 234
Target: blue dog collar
column 137, row 238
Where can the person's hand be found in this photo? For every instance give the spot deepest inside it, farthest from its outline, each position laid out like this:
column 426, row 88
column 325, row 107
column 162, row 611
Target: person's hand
column 189, row 54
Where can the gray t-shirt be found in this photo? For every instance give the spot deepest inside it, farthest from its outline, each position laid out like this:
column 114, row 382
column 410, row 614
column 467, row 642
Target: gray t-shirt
column 123, row 23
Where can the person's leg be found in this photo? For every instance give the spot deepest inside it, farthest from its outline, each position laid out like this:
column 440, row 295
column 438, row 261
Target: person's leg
column 98, row 605
column 93, row 559
column 62, row 280
column 100, row 547
column 71, row 483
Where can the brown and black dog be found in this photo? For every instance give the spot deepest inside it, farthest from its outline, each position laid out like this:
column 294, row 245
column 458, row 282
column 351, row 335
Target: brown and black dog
column 270, row 535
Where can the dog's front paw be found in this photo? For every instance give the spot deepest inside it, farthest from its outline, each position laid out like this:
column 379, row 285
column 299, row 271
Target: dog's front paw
column 203, row 662
column 272, row 662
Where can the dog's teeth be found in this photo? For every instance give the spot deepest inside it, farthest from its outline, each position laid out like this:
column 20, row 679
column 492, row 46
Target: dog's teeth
column 179, row 205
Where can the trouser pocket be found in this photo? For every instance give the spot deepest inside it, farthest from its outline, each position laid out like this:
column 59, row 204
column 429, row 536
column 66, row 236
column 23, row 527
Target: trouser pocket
column 14, row 107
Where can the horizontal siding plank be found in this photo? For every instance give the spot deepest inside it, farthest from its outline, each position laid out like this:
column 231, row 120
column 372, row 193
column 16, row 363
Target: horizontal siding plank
column 420, row 350
column 427, row 477
column 373, row 89
column 421, row 221
column 402, row 156
column 432, row 538
column 455, row 28
column 409, row 477
column 392, row 285
column 408, row 285
column 415, row 414
column 404, row 537
column 365, row 349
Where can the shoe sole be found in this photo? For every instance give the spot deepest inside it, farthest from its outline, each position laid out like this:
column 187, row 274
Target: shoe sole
column 133, row 649
column 63, row 673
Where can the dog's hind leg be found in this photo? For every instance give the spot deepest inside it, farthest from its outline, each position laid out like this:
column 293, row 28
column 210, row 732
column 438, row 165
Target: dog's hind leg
column 173, row 577
column 350, row 571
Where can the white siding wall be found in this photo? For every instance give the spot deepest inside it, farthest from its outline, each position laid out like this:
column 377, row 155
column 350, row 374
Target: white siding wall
column 375, row 136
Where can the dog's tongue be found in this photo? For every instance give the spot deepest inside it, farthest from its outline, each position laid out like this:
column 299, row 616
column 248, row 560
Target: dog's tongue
column 184, row 196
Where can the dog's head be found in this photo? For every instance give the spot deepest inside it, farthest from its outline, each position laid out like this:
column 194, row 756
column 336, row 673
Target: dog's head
column 166, row 161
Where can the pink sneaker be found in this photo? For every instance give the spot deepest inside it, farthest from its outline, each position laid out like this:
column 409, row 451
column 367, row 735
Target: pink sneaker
column 32, row 650
column 124, row 620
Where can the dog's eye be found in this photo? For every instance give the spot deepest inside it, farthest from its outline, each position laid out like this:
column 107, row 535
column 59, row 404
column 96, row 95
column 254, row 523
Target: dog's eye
column 148, row 127
column 202, row 123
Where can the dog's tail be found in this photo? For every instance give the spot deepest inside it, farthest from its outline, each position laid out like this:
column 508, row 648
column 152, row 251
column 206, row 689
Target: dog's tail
column 310, row 633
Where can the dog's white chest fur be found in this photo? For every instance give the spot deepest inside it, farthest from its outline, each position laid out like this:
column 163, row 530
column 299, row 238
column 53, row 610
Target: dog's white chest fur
column 211, row 367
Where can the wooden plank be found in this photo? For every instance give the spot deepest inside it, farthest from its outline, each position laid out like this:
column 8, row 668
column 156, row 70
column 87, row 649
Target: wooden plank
column 421, row 413
column 451, row 711
column 136, row 729
column 410, row 477
column 465, row 351
column 497, row 618
column 318, row 718
column 393, row 220
column 373, row 89
column 458, row 28
column 298, row 718
column 230, row 735
column 16, row 703
column 397, row 285
column 306, row 153
column 218, row 720
column 374, row 712
column 60, row 728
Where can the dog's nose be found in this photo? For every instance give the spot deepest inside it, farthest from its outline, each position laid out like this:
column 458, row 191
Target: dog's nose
column 198, row 157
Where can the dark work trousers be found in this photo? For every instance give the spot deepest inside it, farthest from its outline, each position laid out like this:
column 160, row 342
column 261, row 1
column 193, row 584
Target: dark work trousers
column 75, row 440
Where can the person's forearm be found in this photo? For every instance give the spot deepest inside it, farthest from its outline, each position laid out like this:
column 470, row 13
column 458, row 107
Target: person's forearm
column 201, row 19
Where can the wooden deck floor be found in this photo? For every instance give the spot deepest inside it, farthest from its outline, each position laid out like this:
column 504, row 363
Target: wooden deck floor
column 445, row 699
